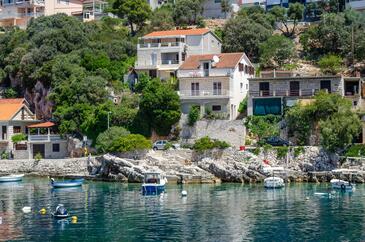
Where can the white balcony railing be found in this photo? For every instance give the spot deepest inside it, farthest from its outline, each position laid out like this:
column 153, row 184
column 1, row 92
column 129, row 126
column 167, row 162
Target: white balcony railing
column 45, row 138
column 217, row 93
column 169, row 62
column 21, row 2
column 284, row 93
column 159, row 45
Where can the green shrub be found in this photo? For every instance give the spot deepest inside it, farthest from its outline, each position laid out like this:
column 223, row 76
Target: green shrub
column 10, row 93
column 267, row 147
column 207, row 143
column 131, row 142
column 256, row 151
column 38, row 157
column 281, row 151
column 4, row 155
column 298, row 151
column 16, row 138
column 168, row 146
column 356, row 151
column 193, row 115
column 105, row 140
column 243, row 106
column 330, row 64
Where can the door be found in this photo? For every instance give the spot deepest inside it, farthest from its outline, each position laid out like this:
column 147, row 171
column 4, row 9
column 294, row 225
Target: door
column 217, row 88
column 264, row 89
column 4, row 135
column 206, row 69
column 326, row 85
column 195, row 89
column 294, row 88
column 39, row 148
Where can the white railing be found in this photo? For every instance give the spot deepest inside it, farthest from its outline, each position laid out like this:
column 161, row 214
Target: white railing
column 51, row 137
column 20, row 2
column 284, row 93
column 159, row 45
column 169, row 62
column 204, row 93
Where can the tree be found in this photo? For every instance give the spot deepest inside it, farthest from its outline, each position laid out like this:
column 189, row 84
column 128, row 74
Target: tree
column 131, row 142
column 276, row 51
column 136, row 12
column 293, row 14
column 160, row 105
column 263, row 126
column 241, row 34
column 330, row 64
column 194, row 114
column 162, row 19
column 187, row 12
column 105, row 140
column 225, row 7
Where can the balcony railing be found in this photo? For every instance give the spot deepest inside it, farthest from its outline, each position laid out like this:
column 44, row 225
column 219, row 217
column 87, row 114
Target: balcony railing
column 20, row 2
column 284, row 93
column 170, row 62
column 44, row 138
column 159, row 45
column 216, row 93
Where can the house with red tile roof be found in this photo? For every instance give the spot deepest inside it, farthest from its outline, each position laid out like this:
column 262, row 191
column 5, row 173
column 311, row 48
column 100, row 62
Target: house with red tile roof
column 160, row 53
column 217, row 83
column 41, row 137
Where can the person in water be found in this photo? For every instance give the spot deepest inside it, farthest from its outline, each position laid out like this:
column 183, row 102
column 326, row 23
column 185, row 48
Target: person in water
column 61, row 210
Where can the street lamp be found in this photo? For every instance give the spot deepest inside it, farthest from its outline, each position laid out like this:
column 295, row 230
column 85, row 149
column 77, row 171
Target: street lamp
column 109, row 118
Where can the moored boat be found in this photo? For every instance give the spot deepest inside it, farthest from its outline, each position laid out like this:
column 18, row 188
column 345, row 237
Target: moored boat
column 343, row 185
column 274, row 182
column 67, row 184
column 153, row 183
column 60, row 212
column 11, row 178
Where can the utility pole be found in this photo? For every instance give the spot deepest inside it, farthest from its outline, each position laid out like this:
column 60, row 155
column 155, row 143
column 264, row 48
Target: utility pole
column 352, row 43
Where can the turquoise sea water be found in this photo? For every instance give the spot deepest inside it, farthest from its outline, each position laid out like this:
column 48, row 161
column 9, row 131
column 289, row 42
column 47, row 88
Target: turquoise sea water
column 227, row 212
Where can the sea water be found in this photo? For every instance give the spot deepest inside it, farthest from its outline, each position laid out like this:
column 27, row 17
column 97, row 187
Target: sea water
column 225, row 212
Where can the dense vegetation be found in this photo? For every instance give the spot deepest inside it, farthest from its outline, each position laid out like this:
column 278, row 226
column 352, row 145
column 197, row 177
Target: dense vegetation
column 207, row 143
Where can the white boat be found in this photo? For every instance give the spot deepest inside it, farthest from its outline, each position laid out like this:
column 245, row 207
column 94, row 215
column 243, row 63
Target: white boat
column 153, row 183
column 343, row 185
column 274, row 182
column 11, row 178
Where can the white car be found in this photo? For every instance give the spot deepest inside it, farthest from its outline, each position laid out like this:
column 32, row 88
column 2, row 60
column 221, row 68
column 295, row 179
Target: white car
column 160, row 145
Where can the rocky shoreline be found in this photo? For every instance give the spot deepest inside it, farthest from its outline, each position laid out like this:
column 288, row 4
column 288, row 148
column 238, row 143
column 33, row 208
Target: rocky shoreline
column 187, row 166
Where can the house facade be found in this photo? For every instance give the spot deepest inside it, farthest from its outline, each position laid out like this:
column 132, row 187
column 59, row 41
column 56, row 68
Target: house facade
column 217, row 83
column 273, row 91
column 213, row 8
column 160, row 53
column 15, row 119
column 19, row 12
column 358, row 5
column 156, row 3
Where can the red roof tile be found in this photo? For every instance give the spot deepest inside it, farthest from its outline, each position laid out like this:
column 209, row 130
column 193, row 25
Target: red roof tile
column 177, row 32
column 42, row 125
column 226, row 60
column 9, row 107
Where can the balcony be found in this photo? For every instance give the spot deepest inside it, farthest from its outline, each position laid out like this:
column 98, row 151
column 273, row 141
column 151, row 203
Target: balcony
column 356, row 4
column 22, row 2
column 170, row 62
column 204, row 94
column 160, row 45
column 284, row 93
column 44, row 138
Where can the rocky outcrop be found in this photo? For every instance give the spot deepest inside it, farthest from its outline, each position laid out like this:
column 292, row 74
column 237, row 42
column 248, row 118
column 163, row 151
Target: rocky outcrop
column 37, row 98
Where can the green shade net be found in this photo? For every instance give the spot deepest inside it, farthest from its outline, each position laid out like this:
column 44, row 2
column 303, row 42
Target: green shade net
column 266, row 106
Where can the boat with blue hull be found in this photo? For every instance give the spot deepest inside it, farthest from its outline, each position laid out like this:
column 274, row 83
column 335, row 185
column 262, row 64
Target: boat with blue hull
column 12, row 178
column 153, row 183
column 67, row 184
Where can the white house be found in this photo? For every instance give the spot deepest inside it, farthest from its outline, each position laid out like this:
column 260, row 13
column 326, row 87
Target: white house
column 160, row 53
column 213, row 8
column 16, row 118
column 215, row 82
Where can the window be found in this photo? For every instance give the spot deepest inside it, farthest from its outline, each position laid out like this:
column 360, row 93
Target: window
column 240, row 67
column 241, row 87
column 216, row 108
column 206, row 68
column 355, row 103
column 326, row 85
column 56, row 147
column 264, row 88
column 20, row 147
column 17, row 129
column 217, row 1
column 217, row 88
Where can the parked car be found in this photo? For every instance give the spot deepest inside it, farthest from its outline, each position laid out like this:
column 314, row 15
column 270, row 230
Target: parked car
column 161, row 144
column 276, row 141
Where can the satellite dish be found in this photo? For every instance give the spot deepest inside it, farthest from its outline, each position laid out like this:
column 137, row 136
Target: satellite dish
column 215, row 59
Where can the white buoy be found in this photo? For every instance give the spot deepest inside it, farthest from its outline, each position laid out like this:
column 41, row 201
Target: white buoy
column 307, row 198
column 184, row 193
column 26, row 209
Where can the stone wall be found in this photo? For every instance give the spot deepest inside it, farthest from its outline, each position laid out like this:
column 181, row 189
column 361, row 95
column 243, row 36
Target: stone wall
column 233, row 132
column 46, row 167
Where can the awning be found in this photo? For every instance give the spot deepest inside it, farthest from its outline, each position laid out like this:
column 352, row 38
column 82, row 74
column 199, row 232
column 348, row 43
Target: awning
column 42, row 125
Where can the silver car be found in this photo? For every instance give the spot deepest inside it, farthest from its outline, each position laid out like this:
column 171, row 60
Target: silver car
column 160, row 145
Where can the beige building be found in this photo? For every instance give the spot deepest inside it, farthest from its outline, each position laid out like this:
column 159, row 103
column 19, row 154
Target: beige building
column 160, row 54
column 19, row 12
column 215, row 82
column 16, row 119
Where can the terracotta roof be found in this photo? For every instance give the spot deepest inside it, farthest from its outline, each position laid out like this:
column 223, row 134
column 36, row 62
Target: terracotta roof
column 9, row 107
column 177, row 32
column 42, row 125
column 226, row 60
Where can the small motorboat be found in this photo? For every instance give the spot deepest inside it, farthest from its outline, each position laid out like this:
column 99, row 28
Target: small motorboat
column 60, row 212
column 274, row 182
column 67, row 184
column 343, row 185
column 12, row 178
column 153, row 183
